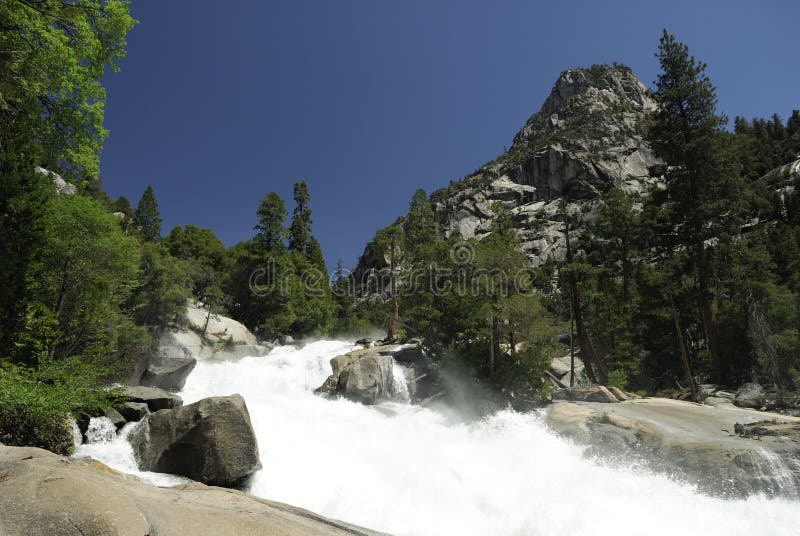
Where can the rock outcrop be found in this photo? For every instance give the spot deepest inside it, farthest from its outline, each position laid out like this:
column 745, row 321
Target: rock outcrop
column 369, row 375
column 201, row 336
column 750, row 395
column 168, row 373
column 560, row 369
column 597, row 393
column 211, row 441
column 155, row 399
column 695, row 443
column 209, row 337
column 42, row 494
column 133, row 411
column 586, row 138
column 62, row 187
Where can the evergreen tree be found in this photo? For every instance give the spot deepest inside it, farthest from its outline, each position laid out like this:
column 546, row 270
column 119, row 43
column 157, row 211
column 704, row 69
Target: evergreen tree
column 420, row 226
column 702, row 188
column 300, row 228
column 270, row 231
column 206, row 262
column 146, row 220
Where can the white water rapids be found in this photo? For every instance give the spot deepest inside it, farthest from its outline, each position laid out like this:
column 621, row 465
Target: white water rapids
column 408, row 470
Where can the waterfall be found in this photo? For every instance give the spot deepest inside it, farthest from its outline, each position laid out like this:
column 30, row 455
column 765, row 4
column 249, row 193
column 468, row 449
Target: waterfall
column 775, row 475
column 408, row 470
column 100, row 430
column 399, row 384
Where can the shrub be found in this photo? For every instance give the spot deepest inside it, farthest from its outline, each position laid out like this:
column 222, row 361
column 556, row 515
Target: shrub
column 36, row 404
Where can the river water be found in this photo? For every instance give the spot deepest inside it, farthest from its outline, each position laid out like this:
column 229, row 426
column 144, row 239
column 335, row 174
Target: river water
column 408, row 470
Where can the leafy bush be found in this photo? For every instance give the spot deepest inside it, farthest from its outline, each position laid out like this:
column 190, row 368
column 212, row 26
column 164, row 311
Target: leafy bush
column 36, row 404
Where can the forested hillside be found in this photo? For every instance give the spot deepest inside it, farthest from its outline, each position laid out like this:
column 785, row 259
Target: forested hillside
column 669, row 240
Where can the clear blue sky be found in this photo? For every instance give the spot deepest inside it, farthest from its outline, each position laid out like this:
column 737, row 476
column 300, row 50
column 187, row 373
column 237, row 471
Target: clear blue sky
column 219, row 103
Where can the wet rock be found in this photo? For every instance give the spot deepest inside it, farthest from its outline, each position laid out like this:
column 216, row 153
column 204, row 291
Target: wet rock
column 692, row 442
column 367, row 380
column 116, row 418
column 367, row 375
column 211, row 441
column 285, row 340
column 155, row 398
column 168, row 373
column 133, row 411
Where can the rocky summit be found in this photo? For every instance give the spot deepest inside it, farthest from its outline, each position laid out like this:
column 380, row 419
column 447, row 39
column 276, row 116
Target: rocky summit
column 586, row 138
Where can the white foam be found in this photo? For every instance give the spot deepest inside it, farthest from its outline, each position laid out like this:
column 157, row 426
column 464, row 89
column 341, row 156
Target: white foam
column 408, row 470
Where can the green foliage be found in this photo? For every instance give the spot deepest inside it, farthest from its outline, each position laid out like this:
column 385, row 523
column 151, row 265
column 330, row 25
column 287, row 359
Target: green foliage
column 419, row 227
column 23, row 202
column 703, row 197
column 300, row 228
column 66, row 267
column 206, row 262
column 163, row 288
column 86, row 270
column 270, row 230
column 36, row 404
column 765, row 144
column 52, row 56
column 275, row 290
column 146, row 222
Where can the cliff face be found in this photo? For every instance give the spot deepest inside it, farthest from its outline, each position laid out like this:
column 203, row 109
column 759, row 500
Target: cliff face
column 586, row 138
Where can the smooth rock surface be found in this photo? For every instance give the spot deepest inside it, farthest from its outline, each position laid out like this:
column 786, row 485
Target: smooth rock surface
column 222, row 338
column 42, row 494
column 211, row 441
column 692, row 442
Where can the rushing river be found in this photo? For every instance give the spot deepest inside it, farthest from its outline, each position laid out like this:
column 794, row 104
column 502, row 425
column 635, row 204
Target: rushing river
column 413, row 471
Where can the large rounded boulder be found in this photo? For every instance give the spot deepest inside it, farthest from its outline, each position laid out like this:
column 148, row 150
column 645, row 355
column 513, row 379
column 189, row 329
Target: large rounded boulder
column 168, row 373
column 368, row 380
column 211, row 441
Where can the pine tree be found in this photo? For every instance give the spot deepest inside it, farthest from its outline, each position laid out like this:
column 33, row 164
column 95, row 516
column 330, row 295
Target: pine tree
column 270, row 232
column 146, row 219
column 300, row 228
column 702, row 188
column 420, row 226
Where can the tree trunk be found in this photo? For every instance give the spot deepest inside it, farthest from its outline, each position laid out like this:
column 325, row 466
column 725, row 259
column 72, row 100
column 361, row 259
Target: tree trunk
column 491, row 345
column 571, row 347
column 707, row 310
column 684, row 356
column 393, row 282
column 586, row 352
column 208, row 317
